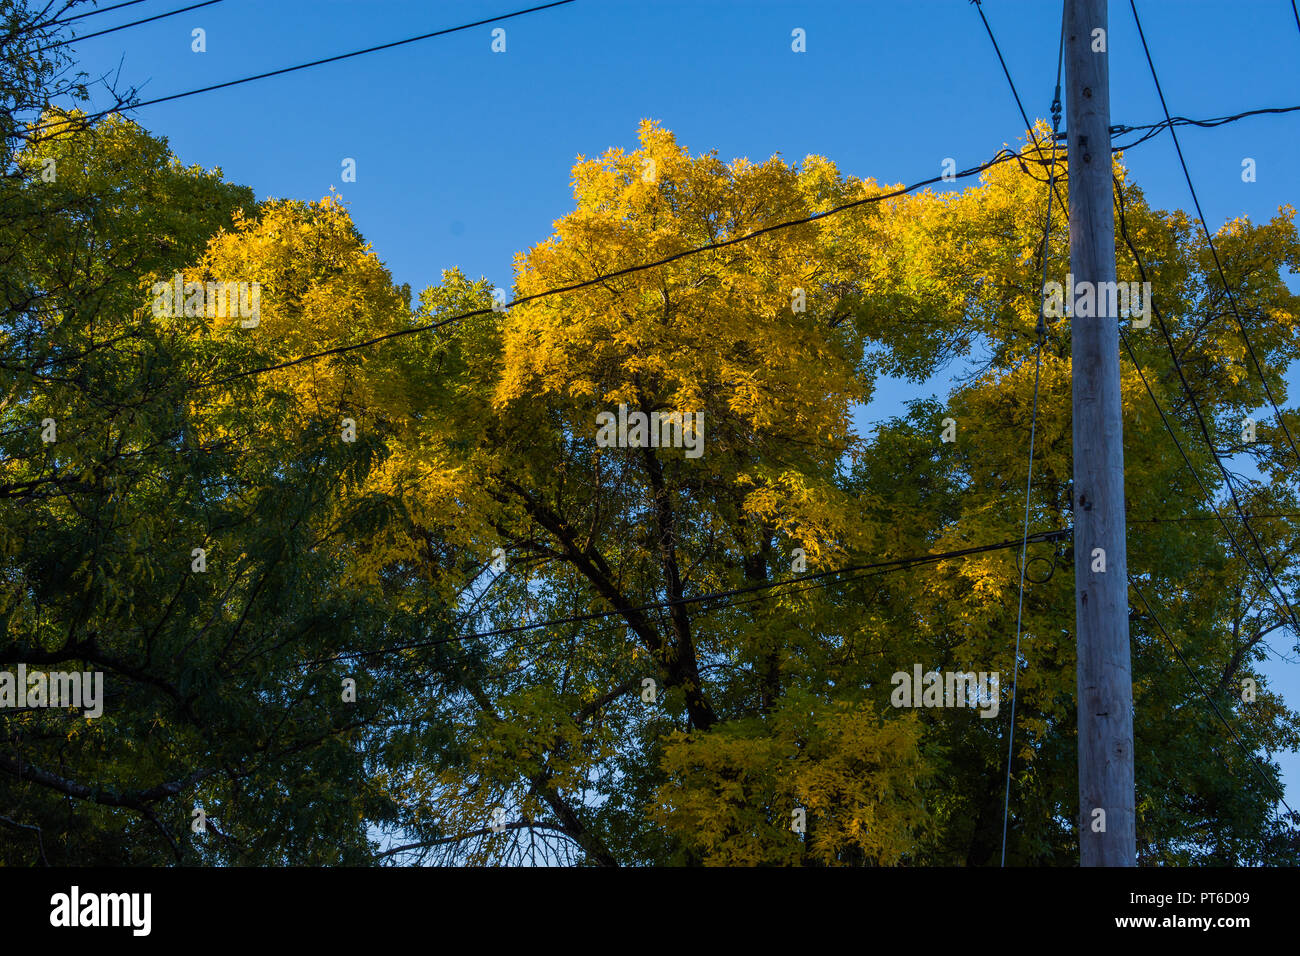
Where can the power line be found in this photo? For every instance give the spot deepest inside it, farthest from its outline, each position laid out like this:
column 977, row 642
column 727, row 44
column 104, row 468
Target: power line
column 872, row 571
column 1137, row 365
column 312, row 63
column 1153, row 129
column 822, row 576
column 895, row 563
column 1275, row 514
column 618, row 625
column 1029, row 127
column 1033, row 421
column 1216, row 516
column 622, row 625
column 124, row 26
column 89, row 13
column 1002, row 156
column 1227, row 288
column 1210, row 700
column 1022, row 541
column 1196, row 408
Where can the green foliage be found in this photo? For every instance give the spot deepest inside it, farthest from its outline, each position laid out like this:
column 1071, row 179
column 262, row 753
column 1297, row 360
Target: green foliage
column 639, row 725
column 221, row 691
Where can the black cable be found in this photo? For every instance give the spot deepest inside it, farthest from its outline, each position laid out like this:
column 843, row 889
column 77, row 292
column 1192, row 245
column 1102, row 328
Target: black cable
column 1236, row 545
column 895, row 563
column 1153, row 130
column 443, row 670
column 1168, row 123
column 1181, row 518
column 1038, row 363
column 1196, row 408
column 89, row 13
column 1002, row 156
column 623, row 625
column 303, row 66
column 1254, row 761
column 468, row 656
column 124, row 26
column 1227, row 288
column 815, row 581
column 1056, row 100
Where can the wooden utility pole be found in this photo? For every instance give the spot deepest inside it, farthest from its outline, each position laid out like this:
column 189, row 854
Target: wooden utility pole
column 1106, row 798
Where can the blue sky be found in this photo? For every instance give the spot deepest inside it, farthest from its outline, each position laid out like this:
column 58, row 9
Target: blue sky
column 463, row 155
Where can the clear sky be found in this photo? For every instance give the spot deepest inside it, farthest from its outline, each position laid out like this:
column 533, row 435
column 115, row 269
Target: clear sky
column 463, row 155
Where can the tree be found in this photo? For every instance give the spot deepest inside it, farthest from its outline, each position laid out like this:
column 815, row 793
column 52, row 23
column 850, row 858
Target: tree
column 778, row 699
column 350, row 567
column 184, row 539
